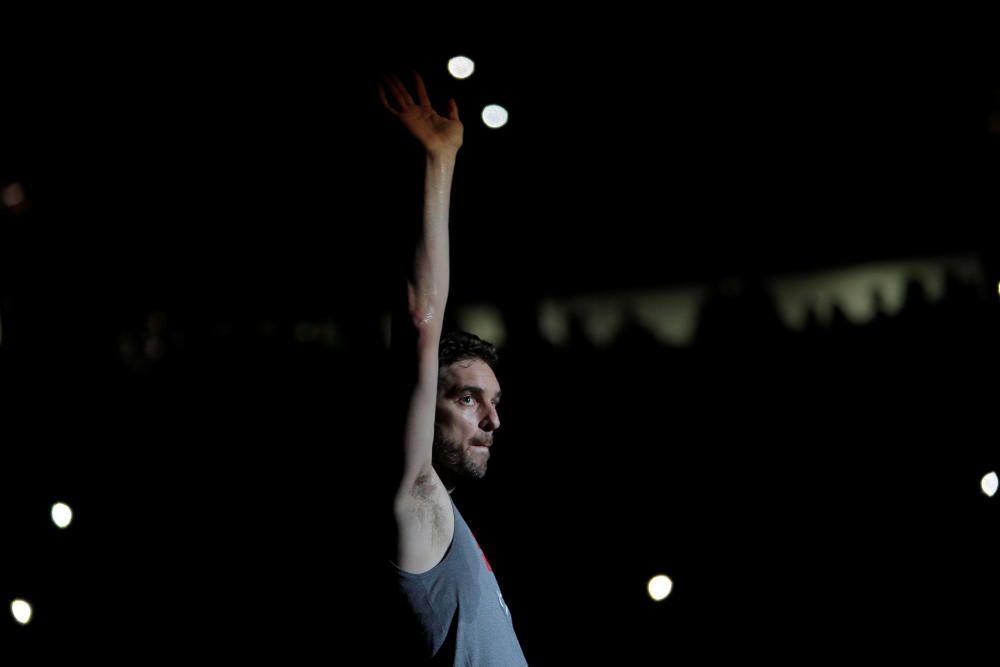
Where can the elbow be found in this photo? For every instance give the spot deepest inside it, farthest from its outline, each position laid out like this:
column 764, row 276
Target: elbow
column 426, row 326
column 426, row 309
column 425, row 317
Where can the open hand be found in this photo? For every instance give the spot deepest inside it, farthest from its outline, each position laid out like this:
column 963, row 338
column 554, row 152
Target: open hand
column 438, row 134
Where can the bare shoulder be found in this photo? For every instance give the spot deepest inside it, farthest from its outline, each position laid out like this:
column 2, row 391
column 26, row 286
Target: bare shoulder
column 425, row 523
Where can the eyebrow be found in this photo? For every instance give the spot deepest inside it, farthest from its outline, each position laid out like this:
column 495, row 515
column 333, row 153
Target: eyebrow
column 472, row 388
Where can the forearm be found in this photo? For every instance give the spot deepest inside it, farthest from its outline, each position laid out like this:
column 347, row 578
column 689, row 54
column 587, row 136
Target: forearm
column 417, row 345
column 428, row 287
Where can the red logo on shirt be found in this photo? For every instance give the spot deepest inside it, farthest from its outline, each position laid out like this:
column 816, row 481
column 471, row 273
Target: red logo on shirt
column 485, row 559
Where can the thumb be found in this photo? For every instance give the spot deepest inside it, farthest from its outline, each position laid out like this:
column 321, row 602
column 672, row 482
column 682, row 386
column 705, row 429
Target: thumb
column 452, row 108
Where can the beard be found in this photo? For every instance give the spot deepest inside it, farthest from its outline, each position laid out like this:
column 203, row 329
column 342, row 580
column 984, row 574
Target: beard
column 457, row 460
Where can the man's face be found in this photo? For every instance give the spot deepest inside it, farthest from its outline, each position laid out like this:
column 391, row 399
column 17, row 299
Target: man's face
column 468, row 394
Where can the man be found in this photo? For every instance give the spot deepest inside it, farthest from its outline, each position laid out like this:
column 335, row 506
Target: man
column 449, row 397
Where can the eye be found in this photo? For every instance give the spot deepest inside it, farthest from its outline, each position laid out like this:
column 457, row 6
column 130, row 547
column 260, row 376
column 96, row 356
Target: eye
column 466, row 397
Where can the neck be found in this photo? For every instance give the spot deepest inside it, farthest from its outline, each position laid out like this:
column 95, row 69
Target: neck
column 447, row 478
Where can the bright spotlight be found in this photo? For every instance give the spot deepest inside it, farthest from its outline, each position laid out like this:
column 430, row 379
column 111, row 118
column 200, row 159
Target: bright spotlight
column 989, row 483
column 461, row 67
column 659, row 587
column 21, row 610
column 494, row 116
column 62, row 515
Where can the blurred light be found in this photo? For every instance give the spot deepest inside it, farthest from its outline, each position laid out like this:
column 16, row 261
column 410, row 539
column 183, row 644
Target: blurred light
column 602, row 319
column 553, row 322
column 484, row 321
column 153, row 348
column 13, row 195
column 461, row 67
column 156, row 322
column 659, row 587
column 304, row 332
column 494, row 115
column 326, row 331
column 670, row 314
column 62, row 515
column 989, row 484
column 863, row 292
column 267, row 329
column 21, row 611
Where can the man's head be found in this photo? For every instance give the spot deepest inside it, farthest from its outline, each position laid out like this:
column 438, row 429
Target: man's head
column 468, row 394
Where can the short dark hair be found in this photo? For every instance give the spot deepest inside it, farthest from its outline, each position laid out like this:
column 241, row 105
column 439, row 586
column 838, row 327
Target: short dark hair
column 462, row 345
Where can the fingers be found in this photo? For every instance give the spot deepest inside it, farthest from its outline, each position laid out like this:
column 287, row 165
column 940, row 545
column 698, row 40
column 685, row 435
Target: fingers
column 385, row 102
column 425, row 101
column 398, row 90
column 403, row 98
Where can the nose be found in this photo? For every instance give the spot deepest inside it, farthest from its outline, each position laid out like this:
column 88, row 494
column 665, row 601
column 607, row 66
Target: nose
column 491, row 421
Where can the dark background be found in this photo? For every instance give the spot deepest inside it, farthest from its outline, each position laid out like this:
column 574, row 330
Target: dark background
column 209, row 185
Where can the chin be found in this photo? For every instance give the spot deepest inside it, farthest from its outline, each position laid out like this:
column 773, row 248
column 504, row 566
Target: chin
column 474, row 472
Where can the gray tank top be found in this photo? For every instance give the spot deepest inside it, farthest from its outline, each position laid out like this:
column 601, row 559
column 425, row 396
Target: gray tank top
column 458, row 606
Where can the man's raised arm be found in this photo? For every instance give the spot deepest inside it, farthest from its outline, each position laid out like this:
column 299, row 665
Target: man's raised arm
column 417, row 331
